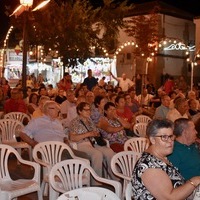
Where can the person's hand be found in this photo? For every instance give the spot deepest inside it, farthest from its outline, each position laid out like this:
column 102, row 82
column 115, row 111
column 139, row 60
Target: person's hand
column 94, row 134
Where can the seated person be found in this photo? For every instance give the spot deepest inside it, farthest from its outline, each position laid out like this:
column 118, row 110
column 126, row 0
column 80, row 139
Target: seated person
column 33, row 103
column 82, row 131
column 185, row 156
column 193, row 109
column 15, row 103
column 154, row 177
column 47, row 128
column 180, row 109
column 163, row 109
column 112, row 127
column 38, row 111
column 124, row 112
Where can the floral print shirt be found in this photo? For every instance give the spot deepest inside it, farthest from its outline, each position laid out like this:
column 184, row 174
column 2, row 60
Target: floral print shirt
column 118, row 137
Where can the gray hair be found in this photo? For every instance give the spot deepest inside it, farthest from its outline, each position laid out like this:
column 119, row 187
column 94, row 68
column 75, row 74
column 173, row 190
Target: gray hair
column 180, row 125
column 156, row 124
column 47, row 104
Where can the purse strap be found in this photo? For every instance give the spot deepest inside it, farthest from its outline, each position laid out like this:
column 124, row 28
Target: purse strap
column 91, row 139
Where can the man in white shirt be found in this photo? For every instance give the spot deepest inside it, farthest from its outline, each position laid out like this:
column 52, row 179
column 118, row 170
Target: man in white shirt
column 124, row 83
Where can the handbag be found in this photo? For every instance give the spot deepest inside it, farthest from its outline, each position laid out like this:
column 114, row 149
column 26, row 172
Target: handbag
column 98, row 139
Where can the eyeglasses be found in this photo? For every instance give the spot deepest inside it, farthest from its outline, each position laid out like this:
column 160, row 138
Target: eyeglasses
column 165, row 138
column 85, row 109
column 51, row 108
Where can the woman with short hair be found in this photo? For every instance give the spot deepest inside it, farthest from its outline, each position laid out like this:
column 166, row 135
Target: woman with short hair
column 154, row 177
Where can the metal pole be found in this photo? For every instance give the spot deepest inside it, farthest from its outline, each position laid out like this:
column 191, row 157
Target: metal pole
column 24, row 63
column 192, row 75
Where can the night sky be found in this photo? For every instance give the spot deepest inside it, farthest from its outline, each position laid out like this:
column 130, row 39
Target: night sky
column 192, row 6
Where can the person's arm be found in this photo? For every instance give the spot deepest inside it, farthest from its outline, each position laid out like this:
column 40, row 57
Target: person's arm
column 104, row 125
column 74, row 137
column 114, row 76
column 166, row 191
column 30, row 109
column 27, row 139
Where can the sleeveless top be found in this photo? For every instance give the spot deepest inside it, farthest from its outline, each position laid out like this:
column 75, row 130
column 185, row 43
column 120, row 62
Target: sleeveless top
column 148, row 161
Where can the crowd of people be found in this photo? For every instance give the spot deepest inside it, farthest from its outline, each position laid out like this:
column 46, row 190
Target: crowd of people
column 95, row 112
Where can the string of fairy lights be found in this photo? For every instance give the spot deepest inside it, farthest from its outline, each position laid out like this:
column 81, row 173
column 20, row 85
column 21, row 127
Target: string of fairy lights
column 165, row 44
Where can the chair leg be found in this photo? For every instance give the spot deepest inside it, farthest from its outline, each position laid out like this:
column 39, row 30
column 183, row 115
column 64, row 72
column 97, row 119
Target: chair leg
column 53, row 195
column 46, row 189
column 40, row 195
column 43, row 187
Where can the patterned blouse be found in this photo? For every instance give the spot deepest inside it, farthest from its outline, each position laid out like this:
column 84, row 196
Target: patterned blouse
column 147, row 161
column 76, row 126
column 118, row 137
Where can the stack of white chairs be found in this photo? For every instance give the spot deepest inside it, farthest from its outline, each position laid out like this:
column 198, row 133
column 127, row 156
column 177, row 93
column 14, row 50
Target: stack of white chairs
column 68, row 175
column 47, row 154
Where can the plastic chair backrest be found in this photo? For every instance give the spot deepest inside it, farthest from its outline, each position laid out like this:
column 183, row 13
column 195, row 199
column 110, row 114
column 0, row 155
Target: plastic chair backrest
column 139, row 129
column 136, row 144
column 9, row 129
column 20, row 116
column 143, row 119
column 122, row 165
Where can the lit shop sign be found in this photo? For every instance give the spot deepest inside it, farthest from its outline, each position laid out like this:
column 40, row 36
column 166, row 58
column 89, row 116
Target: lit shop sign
column 180, row 47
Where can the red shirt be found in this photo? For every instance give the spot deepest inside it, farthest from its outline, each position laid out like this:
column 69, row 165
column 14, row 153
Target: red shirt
column 127, row 114
column 13, row 105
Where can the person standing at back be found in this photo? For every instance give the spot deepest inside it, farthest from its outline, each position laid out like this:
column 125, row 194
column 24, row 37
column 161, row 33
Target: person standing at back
column 124, row 83
column 90, row 81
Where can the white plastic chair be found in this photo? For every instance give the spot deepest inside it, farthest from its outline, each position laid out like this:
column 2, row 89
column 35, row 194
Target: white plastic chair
column 139, row 129
column 48, row 154
column 68, row 175
column 10, row 129
column 122, row 165
column 129, row 191
column 143, row 119
column 89, row 193
column 20, row 116
column 9, row 188
column 136, row 144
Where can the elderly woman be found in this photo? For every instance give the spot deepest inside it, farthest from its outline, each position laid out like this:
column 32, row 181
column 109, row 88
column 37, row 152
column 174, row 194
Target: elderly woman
column 112, row 127
column 82, row 131
column 154, row 177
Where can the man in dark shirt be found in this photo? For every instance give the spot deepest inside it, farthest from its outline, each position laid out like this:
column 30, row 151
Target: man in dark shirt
column 90, row 81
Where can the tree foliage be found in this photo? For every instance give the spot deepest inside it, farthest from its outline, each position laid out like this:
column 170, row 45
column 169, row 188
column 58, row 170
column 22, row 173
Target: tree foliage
column 72, row 27
column 144, row 29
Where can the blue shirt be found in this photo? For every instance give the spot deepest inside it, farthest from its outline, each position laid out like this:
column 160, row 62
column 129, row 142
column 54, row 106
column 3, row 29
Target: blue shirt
column 186, row 159
column 44, row 129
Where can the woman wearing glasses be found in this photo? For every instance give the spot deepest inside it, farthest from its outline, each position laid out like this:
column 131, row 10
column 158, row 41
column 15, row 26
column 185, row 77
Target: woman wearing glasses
column 154, row 177
column 82, row 130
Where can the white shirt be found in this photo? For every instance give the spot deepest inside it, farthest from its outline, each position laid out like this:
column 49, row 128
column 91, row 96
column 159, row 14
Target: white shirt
column 125, row 84
column 174, row 114
column 64, row 107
